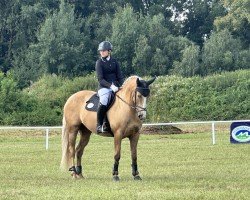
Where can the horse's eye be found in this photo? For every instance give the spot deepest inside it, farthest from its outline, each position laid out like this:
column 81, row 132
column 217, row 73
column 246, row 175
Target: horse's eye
column 139, row 96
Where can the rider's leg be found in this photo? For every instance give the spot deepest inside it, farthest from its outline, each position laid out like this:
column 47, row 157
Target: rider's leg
column 104, row 95
column 102, row 109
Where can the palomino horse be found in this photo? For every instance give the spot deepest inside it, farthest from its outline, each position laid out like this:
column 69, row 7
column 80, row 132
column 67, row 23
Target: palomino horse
column 129, row 109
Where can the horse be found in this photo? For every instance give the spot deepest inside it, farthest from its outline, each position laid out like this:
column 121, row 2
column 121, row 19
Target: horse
column 130, row 103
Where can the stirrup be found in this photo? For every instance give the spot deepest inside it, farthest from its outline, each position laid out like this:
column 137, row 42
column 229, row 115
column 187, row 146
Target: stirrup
column 101, row 129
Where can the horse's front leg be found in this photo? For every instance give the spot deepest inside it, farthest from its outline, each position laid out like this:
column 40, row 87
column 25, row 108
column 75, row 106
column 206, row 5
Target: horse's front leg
column 133, row 147
column 117, row 143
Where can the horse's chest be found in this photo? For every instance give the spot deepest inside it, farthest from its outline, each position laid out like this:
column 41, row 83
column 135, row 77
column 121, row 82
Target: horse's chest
column 132, row 129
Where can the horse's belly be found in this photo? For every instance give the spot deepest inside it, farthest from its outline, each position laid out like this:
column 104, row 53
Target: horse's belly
column 88, row 118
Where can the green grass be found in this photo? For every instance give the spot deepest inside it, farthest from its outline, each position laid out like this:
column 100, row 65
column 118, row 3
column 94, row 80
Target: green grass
column 185, row 166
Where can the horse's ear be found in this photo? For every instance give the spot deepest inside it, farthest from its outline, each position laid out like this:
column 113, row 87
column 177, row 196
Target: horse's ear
column 138, row 82
column 151, row 81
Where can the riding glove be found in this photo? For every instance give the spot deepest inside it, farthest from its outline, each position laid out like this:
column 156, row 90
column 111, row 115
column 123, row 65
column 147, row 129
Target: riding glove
column 114, row 88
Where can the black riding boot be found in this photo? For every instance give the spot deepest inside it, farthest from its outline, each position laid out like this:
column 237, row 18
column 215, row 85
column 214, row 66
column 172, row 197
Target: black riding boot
column 101, row 112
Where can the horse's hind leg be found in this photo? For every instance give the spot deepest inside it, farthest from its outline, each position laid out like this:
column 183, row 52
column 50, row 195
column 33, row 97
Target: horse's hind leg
column 84, row 139
column 72, row 134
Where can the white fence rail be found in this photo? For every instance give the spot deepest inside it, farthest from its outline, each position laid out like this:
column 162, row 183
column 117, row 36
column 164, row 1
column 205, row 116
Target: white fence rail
column 47, row 128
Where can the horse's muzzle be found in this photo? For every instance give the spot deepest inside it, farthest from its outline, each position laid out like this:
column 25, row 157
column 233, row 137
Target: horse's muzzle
column 142, row 115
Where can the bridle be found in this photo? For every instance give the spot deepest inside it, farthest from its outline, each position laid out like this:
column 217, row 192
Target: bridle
column 136, row 107
column 143, row 89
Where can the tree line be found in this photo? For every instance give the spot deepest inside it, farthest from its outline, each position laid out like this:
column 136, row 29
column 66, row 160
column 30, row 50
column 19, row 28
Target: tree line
column 223, row 96
column 184, row 37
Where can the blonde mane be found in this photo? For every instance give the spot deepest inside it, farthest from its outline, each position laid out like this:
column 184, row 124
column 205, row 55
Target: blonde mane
column 129, row 78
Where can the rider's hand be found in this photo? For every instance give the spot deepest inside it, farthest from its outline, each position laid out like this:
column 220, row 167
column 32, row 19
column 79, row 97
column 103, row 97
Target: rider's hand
column 114, row 88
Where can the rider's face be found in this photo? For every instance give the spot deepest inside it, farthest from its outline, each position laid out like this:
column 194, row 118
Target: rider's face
column 104, row 53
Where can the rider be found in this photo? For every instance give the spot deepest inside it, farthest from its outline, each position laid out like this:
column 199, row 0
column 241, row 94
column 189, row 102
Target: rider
column 110, row 79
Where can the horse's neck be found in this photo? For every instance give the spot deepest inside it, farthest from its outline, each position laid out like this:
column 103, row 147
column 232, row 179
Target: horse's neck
column 127, row 95
column 123, row 100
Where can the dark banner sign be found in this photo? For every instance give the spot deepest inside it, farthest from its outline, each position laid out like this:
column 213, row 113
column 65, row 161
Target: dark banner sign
column 240, row 132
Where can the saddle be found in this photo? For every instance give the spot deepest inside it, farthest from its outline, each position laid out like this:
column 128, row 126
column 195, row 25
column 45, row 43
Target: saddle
column 93, row 103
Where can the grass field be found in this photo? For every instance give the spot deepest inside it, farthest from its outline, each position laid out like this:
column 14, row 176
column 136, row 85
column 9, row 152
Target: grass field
column 185, row 166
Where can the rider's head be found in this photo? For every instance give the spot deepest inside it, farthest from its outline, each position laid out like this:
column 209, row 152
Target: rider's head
column 105, row 48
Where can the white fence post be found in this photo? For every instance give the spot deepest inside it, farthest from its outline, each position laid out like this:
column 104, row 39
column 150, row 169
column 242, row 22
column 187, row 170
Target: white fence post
column 213, row 133
column 47, row 139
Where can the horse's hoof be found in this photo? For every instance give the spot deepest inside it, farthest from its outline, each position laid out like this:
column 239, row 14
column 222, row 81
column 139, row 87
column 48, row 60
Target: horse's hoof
column 77, row 176
column 73, row 175
column 137, row 178
column 116, row 178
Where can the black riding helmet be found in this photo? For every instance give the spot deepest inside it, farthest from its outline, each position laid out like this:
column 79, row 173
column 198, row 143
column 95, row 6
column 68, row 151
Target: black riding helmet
column 105, row 46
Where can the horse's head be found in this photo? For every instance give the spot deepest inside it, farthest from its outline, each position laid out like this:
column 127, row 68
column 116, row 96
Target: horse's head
column 137, row 91
column 142, row 92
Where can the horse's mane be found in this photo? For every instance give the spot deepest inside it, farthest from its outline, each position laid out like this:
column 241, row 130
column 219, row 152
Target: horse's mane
column 129, row 78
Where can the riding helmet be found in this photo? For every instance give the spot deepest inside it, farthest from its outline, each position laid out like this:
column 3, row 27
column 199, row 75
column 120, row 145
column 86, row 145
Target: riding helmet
column 105, row 46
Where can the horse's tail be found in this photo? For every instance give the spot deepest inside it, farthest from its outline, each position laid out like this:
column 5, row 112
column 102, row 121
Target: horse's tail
column 65, row 162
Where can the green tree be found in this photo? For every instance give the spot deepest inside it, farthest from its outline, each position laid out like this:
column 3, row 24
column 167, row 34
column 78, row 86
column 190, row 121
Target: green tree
column 150, row 58
column 20, row 20
column 173, row 48
column 9, row 97
column 141, row 61
column 220, row 53
column 243, row 61
column 126, row 29
column 156, row 30
column 199, row 18
column 144, row 44
column 237, row 19
column 189, row 64
column 160, row 63
column 61, row 46
column 26, row 69
column 9, row 16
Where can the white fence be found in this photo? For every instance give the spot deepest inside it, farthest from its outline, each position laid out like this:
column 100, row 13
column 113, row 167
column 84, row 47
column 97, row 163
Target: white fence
column 47, row 128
